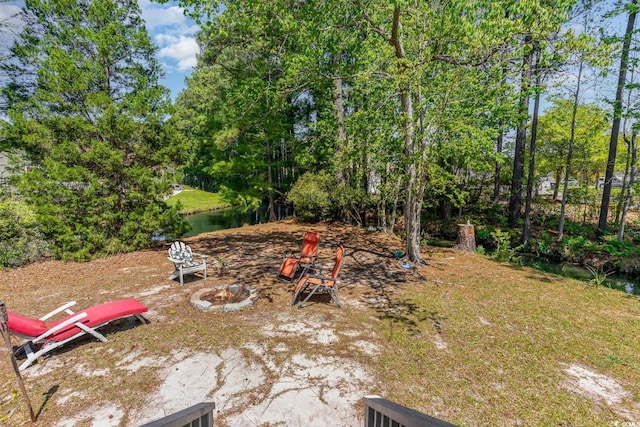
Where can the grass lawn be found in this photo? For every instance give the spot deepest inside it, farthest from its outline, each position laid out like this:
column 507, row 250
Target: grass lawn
column 194, row 201
column 465, row 339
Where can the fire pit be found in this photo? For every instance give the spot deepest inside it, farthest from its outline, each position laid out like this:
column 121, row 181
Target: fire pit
column 225, row 298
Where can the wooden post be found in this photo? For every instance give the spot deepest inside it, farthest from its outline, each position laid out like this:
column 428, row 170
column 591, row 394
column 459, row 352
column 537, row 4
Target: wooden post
column 4, row 318
column 466, row 238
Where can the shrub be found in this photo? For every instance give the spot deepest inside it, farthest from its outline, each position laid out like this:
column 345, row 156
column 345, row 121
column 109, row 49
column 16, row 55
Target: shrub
column 310, row 196
column 483, row 234
column 503, row 251
column 20, row 238
column 581, row 195
column 543, row 244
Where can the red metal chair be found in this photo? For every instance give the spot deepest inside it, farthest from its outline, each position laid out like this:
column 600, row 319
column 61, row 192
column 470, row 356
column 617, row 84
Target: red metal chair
column 319, row 283
column 294, row 262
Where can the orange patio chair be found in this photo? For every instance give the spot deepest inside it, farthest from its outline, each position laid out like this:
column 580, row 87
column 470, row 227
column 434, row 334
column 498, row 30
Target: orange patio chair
column 294, row 262
column 319, row 283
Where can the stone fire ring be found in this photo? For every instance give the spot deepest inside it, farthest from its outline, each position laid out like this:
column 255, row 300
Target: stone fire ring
column 204, row 305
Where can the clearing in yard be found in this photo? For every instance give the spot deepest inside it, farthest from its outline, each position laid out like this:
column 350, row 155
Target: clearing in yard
column 465, row 339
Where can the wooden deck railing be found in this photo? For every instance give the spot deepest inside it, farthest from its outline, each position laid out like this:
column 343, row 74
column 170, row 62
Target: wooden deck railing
column 379, row 412
column 200, row 415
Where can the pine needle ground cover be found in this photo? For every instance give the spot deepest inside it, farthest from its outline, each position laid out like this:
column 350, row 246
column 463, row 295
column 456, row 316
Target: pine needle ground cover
column 465, row 339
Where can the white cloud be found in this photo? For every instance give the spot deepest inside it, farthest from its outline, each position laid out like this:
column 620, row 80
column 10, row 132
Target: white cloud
column 10, row 24
column 174, row 34
column 169, row 19
column 183, row 50
column 156, row 15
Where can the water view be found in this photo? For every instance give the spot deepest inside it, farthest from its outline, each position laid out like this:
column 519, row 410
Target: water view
column 206, row 222
column 621, row 283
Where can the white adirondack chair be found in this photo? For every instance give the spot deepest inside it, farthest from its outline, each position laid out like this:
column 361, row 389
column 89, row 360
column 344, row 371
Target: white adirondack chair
column 182, row 258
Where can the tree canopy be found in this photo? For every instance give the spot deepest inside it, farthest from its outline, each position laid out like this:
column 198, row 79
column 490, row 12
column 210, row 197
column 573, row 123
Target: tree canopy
column 87, row 112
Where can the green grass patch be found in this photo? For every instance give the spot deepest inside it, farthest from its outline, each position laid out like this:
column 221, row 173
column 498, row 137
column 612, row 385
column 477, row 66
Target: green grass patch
column 194, row 201
column 452, row 351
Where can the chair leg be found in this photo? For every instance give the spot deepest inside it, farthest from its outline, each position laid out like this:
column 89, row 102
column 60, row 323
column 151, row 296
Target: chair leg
column 333, row 293
column 313, row 291
column 181, row 278
column 300, row 288
column 334, row 296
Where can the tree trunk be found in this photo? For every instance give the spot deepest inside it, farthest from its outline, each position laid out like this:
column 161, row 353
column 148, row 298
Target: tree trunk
column 272, row 212
column 617, row 114
column 558, row 177
column 628, row 185
column 341, row 136
column 532, row 154
column 394, row 210
column 466, row 238
column 496, row 184
column 572, row 138
column 414, row 191
column 515, row 201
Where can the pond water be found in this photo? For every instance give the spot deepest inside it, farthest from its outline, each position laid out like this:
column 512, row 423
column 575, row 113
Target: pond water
column 621, row 283
column 229, row 218
column 573, row 271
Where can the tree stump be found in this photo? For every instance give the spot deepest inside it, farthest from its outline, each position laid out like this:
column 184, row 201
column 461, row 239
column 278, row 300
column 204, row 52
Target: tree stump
column 466, row 238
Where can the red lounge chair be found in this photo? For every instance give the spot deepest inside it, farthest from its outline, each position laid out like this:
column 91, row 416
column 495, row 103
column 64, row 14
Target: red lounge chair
column 54, row 334
column 303, row 260
column 319, row 283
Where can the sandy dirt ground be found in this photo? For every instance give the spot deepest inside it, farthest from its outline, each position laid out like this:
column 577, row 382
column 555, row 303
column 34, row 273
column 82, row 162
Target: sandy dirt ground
column 330, row 384
column 265, row 366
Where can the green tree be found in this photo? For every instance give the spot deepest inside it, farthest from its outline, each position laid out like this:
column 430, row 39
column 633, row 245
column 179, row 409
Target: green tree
column 85, row 106
column 234, row 108
column 590, row 125
column 632, row 8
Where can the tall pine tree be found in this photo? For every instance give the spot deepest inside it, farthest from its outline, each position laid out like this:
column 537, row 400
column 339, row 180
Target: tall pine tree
column 86, row 109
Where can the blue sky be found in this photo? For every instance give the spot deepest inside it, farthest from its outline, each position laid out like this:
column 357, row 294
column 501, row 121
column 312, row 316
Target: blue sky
column 171, row 31
column 174, row 34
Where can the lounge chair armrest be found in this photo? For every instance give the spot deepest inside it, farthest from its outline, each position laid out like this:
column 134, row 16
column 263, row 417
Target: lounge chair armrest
column 319, row 270
column 58, row 310
column 292, row 254
column 318, row 276
column 204, row 257
column 60, row 326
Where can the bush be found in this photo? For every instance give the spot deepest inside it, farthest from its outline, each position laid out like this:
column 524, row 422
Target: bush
column 483, row 234
column 543, row 244
column 504, row 252
column 20, row 238
column 310, row 196
column 581, row 195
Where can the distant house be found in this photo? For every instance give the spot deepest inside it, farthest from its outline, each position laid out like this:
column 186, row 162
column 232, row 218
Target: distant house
column 616, row 181
column 7, row 168
column 4, row 170
column 547, row 185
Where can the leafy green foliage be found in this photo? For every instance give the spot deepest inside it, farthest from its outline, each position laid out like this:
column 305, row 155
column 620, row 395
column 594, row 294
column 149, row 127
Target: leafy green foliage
column 310, row 196
column 590, row 141
column 20, row 238
column 86, row 109
column 502, row 241
column 582, row 195
column 543, row 244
